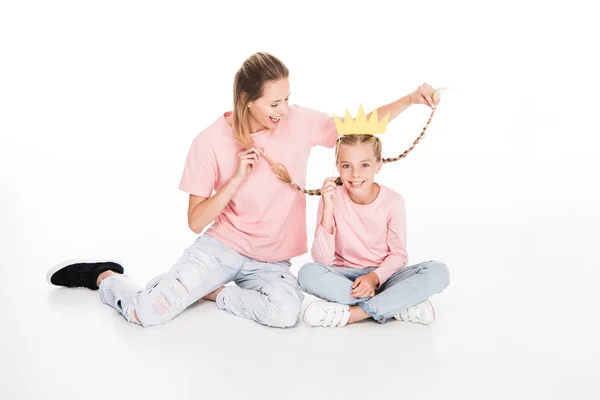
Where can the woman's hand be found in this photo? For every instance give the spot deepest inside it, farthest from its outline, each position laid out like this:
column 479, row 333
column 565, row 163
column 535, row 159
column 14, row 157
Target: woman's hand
column 425, row 94
column 248, row 159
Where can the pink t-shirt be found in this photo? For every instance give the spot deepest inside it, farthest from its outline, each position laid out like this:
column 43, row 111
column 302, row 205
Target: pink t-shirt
column 266, row 218
column 371, row 235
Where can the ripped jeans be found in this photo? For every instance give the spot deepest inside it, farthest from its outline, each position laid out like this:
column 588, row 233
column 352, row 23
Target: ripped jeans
column 266, row 292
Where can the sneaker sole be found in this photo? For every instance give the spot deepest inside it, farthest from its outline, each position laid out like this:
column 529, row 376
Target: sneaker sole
column 305, row 310
column 76, row 261
column 432, row 313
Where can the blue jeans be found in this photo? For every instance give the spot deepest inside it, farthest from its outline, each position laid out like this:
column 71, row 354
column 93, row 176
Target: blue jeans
column 266, row 292
column 404, row 289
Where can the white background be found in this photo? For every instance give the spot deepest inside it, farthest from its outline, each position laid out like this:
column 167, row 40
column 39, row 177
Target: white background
column 100, row 101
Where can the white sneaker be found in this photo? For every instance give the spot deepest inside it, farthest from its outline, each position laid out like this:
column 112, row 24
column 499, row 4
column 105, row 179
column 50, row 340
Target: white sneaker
column 422, row 313
column 324, row 313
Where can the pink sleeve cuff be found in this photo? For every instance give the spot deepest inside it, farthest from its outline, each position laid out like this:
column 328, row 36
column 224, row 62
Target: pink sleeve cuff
column 389, row 267
column 323, row 247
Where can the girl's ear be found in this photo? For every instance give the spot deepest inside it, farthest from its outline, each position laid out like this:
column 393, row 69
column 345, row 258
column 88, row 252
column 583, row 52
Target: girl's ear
column 379, row 165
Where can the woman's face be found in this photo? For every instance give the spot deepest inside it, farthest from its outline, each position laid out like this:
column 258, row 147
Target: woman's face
column 267, row 111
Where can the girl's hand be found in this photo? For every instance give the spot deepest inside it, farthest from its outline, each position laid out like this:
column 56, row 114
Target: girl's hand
column 364, row 286
column 425, row 94
column 328, row 192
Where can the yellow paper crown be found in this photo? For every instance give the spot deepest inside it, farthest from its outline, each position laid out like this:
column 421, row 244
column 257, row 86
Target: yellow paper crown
column 361, row 125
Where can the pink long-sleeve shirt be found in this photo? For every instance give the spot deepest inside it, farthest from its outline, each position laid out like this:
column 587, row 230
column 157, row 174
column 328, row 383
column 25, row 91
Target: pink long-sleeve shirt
column 372, row 235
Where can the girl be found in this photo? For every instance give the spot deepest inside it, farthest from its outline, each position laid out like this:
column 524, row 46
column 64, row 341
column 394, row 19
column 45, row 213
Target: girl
column 258, row 222
column 360, row 248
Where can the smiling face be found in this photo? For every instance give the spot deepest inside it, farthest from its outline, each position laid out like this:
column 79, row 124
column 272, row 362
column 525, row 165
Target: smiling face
column 358, row 165
column 267, row 111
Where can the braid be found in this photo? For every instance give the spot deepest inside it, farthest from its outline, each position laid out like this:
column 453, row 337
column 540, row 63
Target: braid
column 417, row 140
column 282, row 173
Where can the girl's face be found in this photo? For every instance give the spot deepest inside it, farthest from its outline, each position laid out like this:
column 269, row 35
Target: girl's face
column 267, row 111
column 357, row 166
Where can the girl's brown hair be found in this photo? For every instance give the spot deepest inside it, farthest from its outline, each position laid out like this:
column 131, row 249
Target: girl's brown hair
column 349, row 140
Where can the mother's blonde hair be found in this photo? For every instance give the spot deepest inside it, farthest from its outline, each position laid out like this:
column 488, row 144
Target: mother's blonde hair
column 248, row 86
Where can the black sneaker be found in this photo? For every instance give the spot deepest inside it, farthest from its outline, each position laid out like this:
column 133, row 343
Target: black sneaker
column 80, row 273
